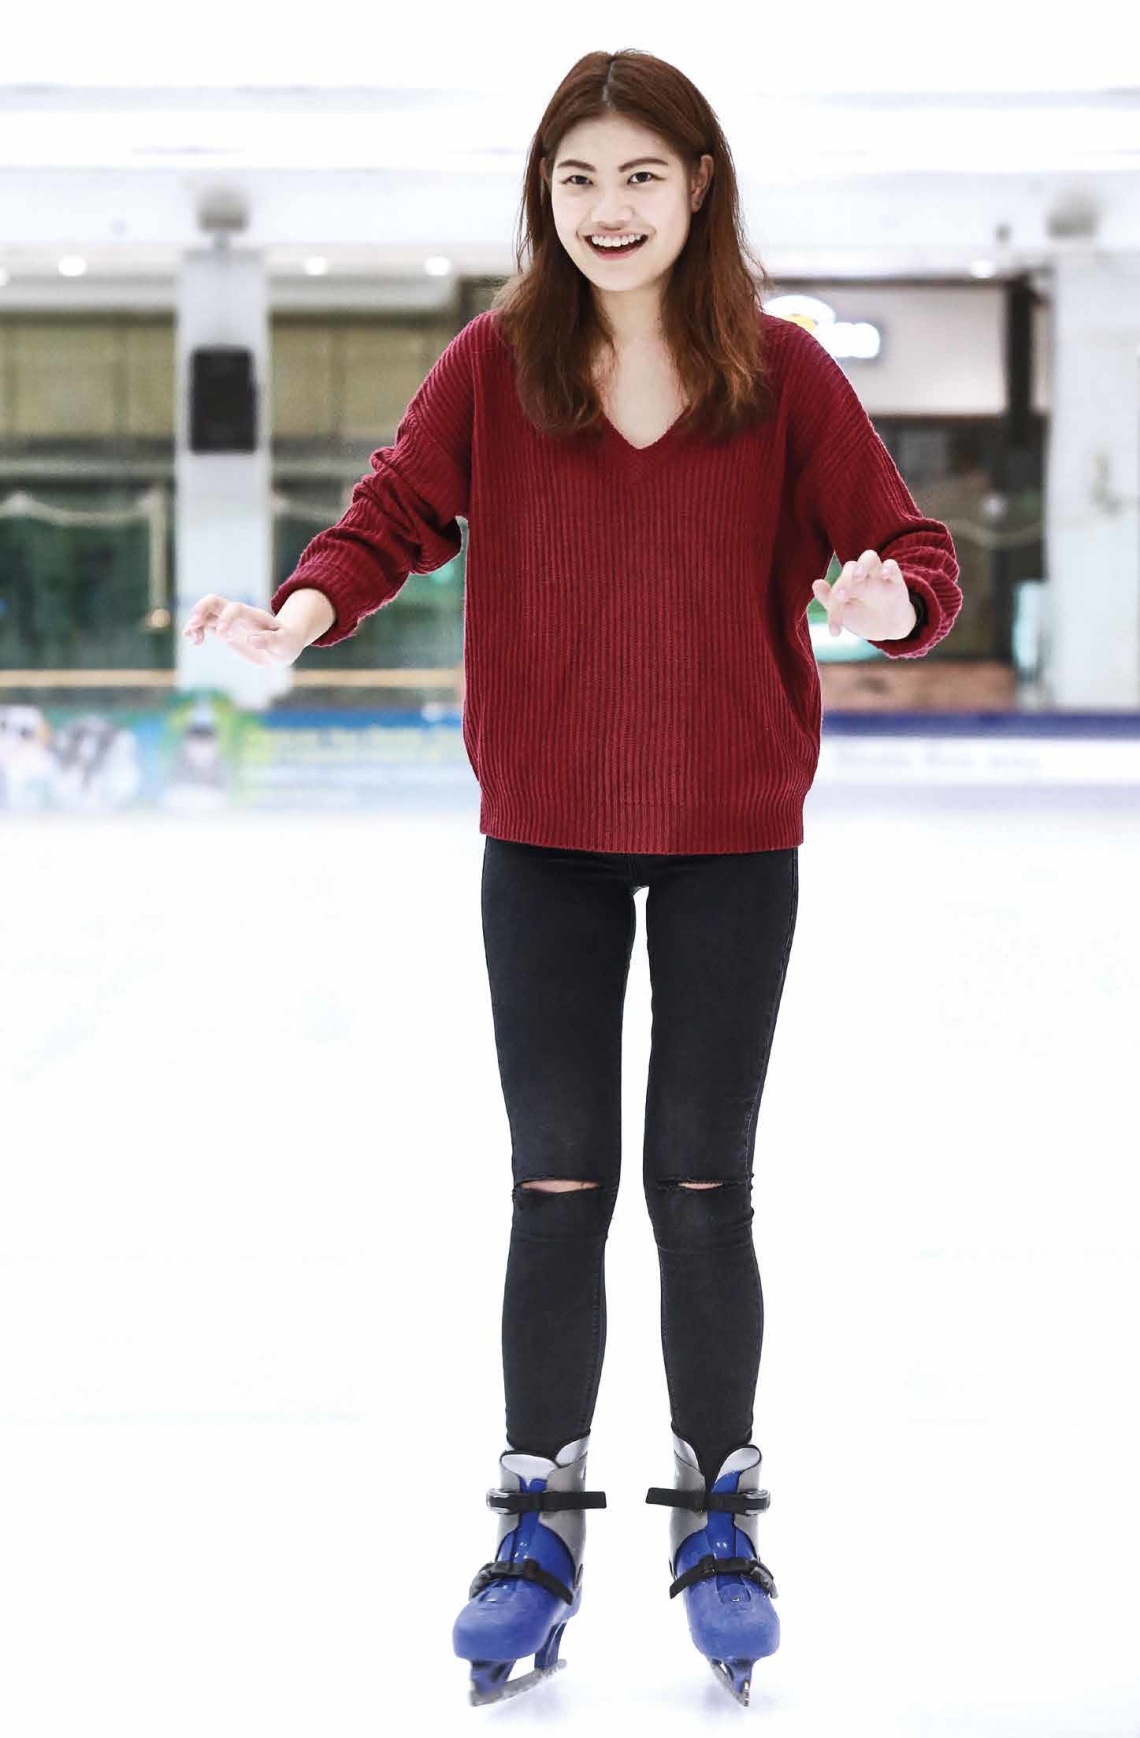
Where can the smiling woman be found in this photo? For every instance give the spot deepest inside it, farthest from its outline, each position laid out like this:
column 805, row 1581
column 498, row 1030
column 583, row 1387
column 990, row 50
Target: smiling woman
column 629, row 148
column 604, row 209
column 642, row 712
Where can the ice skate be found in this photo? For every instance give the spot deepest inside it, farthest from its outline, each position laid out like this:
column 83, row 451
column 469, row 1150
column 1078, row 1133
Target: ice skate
column 715, row 1560
column 520, row 1603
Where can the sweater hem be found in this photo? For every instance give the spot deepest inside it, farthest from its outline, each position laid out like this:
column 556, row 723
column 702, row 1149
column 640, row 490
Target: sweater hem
column 646, row 834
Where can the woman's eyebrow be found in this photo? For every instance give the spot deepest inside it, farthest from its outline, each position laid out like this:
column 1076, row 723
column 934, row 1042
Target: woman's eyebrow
column 575, row 163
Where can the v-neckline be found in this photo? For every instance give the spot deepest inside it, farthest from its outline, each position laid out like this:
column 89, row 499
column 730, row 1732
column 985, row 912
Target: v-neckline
column 639, row 452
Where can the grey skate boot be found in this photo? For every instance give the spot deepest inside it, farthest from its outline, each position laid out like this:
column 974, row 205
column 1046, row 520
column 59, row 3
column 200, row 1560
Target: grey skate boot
column 715, row 1559
column 520, row 1603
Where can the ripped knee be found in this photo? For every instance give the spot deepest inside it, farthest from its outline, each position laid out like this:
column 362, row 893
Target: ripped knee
column 692, row 1215
column 558, row 1185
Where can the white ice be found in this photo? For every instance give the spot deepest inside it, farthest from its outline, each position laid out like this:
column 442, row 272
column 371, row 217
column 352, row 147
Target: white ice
column 254, row 1210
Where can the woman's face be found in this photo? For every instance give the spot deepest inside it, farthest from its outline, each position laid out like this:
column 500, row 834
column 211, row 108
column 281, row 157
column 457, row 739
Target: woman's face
column 601, row 183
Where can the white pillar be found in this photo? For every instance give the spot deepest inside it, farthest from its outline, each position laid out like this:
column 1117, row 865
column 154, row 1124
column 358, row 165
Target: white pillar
column 223, row 501
column 1092, row 517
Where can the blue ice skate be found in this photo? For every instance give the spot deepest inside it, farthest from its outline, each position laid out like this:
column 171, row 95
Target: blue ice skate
column 520, row 1603
column 715, row 1558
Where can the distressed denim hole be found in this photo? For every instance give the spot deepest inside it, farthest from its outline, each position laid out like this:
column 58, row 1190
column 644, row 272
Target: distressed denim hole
column 554, row 1186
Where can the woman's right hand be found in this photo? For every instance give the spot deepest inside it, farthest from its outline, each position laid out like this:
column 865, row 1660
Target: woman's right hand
column 255, row 634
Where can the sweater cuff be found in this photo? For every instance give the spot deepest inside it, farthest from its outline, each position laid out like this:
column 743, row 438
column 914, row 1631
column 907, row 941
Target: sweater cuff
column 919, row 603
column 337, row 587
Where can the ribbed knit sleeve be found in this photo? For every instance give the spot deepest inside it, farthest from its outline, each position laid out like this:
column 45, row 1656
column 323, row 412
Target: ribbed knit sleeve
column 402, row 516
column 847, row 485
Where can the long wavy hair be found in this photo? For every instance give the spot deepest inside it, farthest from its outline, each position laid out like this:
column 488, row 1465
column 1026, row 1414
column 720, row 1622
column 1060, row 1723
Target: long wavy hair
column 546, row 311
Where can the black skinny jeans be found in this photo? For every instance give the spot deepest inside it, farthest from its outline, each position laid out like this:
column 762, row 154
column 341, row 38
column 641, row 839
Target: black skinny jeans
column 558, row 930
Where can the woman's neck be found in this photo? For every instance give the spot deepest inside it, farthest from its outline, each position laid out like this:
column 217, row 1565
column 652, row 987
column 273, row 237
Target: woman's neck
column 636, row 325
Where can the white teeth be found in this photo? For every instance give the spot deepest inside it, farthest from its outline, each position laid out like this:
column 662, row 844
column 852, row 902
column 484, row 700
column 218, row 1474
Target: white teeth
column 609, row 246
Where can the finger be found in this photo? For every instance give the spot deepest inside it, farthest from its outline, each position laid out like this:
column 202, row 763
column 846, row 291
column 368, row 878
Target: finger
column 205, row 606
column 202, row 613
column 857, row 575
column 840, row 595
column 226, row 618
column 823, row 595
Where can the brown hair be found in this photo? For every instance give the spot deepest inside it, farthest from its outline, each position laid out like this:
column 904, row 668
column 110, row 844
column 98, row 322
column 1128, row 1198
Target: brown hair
column 546, row 311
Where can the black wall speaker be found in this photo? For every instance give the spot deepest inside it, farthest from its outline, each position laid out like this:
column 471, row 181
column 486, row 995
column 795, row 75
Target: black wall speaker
column 223, row 400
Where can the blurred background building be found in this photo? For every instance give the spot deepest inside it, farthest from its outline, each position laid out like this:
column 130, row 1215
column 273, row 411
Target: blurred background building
column 216, row 302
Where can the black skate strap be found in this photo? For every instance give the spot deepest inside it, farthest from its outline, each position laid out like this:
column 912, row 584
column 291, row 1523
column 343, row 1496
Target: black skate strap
column 729, row 1502
column 529, row 1570
column 750, row 1566
column 525, row 1502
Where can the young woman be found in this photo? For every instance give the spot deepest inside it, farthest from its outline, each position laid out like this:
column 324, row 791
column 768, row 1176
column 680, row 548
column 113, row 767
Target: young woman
column 655, row 473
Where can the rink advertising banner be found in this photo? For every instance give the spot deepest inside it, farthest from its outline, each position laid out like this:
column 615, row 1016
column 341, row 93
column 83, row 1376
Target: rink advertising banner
column 199, row 752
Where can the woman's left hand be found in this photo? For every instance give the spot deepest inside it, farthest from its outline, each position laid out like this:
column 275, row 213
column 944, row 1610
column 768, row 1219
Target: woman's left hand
column 870, row 598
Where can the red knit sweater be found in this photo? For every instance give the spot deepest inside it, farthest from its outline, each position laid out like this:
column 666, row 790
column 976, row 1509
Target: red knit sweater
column 639, row 671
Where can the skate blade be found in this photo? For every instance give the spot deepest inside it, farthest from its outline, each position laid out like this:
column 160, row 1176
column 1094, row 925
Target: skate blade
column 514, row 1686
column 737, row 1688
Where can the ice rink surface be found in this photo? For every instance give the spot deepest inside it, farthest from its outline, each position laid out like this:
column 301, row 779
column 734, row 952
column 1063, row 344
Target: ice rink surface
column 254, row 1211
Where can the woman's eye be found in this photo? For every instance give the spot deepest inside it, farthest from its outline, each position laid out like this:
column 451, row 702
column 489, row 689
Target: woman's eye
column 648, row 172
